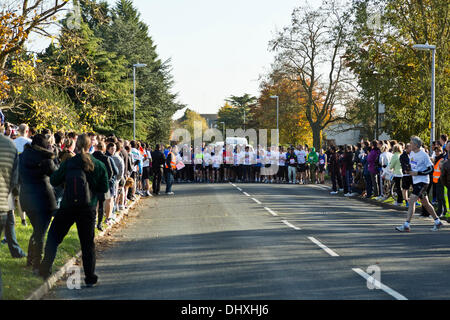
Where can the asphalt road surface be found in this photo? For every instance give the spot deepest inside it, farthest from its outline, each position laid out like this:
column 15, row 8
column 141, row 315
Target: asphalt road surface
column 268, row 241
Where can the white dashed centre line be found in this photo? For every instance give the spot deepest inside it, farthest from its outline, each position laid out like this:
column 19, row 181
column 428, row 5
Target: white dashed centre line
column 246, row 194
column 271, row 212
column 256, row 200
column 290, row 225
column 239, row 188
column 378, row 284
column 325, row 248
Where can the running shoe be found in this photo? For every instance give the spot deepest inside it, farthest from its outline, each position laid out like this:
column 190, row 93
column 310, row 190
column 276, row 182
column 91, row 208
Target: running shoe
column 334, row 192
column 347, row 195
column 403, row 229
column 436, row 227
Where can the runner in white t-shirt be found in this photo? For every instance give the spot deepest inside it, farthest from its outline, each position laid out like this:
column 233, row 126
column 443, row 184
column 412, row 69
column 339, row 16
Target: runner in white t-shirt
column 301, row 158
column 421, row 167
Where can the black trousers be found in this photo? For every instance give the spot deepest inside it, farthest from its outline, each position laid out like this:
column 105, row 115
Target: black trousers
column 100, row 214
column 63, row 221
column 336, row 179
column 40, row 222
column 157, row 176
column 398, row 189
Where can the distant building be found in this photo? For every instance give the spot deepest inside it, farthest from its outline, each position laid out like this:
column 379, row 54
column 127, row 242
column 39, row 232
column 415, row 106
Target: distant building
column 211, row 119
column 341, row 134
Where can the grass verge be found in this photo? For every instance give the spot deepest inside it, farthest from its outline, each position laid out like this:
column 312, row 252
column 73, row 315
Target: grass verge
column 18, row 280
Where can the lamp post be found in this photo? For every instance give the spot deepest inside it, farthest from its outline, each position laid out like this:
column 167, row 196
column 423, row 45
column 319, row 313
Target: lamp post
column 278, row 104
column 377, row 107
column 137, row 65
column 427, row 46
column 223, row 129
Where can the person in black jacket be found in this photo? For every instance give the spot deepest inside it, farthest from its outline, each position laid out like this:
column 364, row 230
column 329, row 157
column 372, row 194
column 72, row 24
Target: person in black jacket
column 37, row 198
column 333, row 168
column 82, row 213
column 158, row 162
column 112, row 171
column 407, row 180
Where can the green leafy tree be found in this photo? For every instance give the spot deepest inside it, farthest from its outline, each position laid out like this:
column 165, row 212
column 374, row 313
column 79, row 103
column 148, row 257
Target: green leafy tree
column 404, row 76
column 236, row 111
column 128, row 36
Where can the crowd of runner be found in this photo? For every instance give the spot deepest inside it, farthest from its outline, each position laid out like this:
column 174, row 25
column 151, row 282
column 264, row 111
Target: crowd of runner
column 62, row 178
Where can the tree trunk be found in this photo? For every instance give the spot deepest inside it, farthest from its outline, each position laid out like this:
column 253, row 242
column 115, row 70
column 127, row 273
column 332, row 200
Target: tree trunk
column 317, row 137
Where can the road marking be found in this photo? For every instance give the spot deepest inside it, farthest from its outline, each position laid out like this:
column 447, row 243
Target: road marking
column 290, row 225
column 239, row 188
column 257, row 201
column 325, row 248
column 233, row 184
column 271, row 212
column 378, row 284
column 246, row 194
column 320, row 187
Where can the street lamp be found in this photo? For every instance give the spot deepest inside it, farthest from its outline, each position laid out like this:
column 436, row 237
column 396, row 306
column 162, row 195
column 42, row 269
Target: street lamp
column 377, row 106
column 223, row 129
column 427, row 46
column 137, row 65
column 278, row 102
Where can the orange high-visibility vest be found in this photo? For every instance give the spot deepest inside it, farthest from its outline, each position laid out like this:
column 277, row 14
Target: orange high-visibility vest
column 173, row 163
column 437, row 172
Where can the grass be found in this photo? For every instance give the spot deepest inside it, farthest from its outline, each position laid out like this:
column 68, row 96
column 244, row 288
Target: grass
column 18, row 280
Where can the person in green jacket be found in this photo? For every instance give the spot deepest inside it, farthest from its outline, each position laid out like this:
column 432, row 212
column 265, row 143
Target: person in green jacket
column 396, row 165
column 84, row 215
column 313, row 159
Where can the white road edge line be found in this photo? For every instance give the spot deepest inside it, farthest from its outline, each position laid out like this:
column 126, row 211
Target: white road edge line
column 271, row 212
column 290, row 225
column 325, row 248
column 246, row 194
column 378, row 284
column 256, row 200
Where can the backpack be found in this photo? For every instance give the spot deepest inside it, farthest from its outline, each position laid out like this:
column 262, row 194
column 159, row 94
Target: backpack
column 76, row 192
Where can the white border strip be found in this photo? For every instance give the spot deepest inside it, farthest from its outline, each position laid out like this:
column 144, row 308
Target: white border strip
column 378, row 284
column 271, row 212
column 239, row 188
column 290, row 225
column 325, row 248
column 246, row 194
column 256, row 200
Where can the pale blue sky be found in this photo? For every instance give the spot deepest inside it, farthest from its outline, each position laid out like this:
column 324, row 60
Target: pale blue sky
column 218, row 48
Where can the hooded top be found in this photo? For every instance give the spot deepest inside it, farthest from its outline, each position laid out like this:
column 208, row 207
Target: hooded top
column 313, row 157
column 35, row 168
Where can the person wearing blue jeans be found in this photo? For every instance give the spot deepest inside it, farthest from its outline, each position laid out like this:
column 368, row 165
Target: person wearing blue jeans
column 3, row 219
column 10, row 235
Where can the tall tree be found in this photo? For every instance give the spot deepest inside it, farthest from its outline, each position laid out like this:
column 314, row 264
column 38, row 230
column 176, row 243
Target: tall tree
column 17, row 20
column 404, row 76
column 129, row 37
column 238, row 115
column 187, row 121
column 75, row 74
column 310, row 52
column 293, row 126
